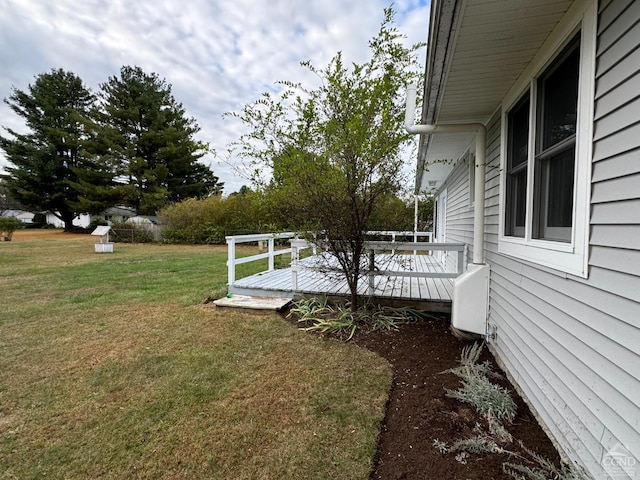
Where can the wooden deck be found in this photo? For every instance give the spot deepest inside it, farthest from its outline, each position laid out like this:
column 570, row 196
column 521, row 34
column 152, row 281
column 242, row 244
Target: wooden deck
column 315, row 279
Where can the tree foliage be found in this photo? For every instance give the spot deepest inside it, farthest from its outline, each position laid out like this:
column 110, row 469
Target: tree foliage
column 148, row 141
column 7, row 202
column 210, row 219
column 132, row 145
column 335, row 151
column 8, row 225
column 46, row 161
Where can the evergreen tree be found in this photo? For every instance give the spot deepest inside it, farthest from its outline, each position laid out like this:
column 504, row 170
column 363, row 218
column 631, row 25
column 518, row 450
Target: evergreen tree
column 46, row 162
column 6, row 201
column 147, row 139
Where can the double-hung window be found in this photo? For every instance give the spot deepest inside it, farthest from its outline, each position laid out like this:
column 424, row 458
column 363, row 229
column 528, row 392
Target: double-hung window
column 555, row 158
column 554, row 139
column 546, row 154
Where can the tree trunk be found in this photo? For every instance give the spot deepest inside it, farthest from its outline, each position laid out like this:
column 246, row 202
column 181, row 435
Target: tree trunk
column 68, row 222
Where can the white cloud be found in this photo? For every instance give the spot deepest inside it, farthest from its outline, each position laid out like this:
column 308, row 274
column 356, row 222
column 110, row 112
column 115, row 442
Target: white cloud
column 218, row 55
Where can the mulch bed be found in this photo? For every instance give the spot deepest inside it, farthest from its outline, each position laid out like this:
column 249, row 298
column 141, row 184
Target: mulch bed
column 418, row 410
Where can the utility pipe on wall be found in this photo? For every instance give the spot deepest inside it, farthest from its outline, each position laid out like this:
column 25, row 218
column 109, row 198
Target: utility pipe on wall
column 481, row 139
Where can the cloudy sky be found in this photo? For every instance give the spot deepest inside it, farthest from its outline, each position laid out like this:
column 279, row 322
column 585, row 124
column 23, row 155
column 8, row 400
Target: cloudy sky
column 217, row 54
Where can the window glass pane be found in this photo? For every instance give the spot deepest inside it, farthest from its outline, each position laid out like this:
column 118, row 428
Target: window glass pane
column 559, row 88
column 518, row 158
column 520, row 202
column 559, row 171
column 519, row 133
column 554, row 208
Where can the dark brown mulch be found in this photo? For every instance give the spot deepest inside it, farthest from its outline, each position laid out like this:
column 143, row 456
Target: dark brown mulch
column 419, row 411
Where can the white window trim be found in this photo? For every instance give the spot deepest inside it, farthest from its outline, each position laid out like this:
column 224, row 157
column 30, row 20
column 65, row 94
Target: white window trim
column 572, row 257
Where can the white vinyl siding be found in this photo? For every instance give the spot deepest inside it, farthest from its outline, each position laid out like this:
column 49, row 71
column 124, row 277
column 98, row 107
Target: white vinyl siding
column 459, row 218
column 571, row 344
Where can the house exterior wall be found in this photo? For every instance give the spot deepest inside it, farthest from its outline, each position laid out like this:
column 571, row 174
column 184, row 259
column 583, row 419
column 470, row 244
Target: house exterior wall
column 83, row 220
column 459, row 214
column 571, row 344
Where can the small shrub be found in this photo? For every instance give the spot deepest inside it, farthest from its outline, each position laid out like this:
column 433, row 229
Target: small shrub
column 486, row 397
column 39, row 220
column 475, row 445
column 343, row 322
column 97, row 222
column 442, row 447
column 541, row 469
column 8, row 225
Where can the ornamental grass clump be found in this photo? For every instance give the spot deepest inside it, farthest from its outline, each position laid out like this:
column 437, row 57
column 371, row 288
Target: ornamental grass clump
column 486, row 397
column 341, row 320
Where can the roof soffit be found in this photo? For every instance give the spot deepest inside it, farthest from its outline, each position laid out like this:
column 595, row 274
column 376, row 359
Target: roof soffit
column 477, row 50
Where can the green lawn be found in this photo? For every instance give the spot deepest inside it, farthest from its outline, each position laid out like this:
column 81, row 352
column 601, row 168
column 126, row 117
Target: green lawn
column 111, row 368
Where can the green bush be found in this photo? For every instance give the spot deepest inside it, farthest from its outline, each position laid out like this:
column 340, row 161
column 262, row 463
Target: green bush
column 209, row 220
column 8, row 225
column 97, row 222
column 39, row 221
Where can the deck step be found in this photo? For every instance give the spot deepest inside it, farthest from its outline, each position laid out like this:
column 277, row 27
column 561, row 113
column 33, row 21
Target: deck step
column 252, row 302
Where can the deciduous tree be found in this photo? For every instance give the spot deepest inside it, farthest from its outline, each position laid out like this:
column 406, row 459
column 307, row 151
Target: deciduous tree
column 336, row 150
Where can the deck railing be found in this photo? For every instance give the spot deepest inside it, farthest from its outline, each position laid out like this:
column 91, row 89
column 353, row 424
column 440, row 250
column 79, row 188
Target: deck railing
column 372, row 247
column 395, row 235
column 381, row 246
column 271, row 253
column 374, row 271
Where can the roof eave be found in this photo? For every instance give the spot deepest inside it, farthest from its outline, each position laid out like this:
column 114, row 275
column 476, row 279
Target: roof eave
column 442, row 29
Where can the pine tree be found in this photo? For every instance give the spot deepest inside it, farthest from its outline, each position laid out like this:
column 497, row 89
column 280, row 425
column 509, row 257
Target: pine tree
column 147, row 138
column 47, row 161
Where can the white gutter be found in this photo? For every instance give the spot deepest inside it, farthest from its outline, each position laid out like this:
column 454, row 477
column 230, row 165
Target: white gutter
column 481, row 139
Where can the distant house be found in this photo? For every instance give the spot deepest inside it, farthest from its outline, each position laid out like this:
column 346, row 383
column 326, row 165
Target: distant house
column 110, row 216
column 24, row 217
column 144, row 220
column 115, row 215
column 550, row 206
column 149, row 223
column 83, row 220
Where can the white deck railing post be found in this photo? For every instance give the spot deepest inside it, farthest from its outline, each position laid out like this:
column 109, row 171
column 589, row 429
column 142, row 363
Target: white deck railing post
column 296, row 245
column 231, row 261
column 272, row 242
column 371, row 274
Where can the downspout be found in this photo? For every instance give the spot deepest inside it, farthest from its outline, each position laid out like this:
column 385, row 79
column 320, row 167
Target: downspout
column 480, row 164
column 470, row 302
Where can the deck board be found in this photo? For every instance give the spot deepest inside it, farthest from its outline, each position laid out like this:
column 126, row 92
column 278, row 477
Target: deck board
column 321, row 282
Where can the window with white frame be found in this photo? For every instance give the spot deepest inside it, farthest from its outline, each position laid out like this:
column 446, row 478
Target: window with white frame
column 555, row 158
column 546, row 151
column 554, row 138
